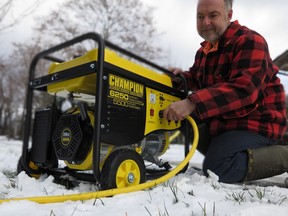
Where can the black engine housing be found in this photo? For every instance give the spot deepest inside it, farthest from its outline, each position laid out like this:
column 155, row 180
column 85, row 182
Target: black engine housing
column 72, row 138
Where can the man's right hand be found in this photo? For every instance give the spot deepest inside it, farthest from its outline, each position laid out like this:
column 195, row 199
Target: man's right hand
column 175, row 71
column 179, row 110
column 177, row 81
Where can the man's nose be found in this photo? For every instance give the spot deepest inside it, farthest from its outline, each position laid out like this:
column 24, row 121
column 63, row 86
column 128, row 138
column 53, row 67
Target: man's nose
column 206, row 21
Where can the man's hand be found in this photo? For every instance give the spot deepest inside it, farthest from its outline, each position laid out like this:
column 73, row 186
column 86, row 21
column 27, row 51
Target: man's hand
column 179, row 110
column 177, row 82
column 175, row 71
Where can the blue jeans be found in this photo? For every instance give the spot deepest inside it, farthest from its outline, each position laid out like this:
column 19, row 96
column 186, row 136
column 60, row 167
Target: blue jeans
column 226, row 154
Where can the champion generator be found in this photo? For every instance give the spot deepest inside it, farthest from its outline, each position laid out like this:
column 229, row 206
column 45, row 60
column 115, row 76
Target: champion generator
column 113, row 125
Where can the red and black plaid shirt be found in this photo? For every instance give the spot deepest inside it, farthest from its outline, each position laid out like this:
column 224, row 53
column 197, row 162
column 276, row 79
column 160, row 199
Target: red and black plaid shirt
column 235, row 85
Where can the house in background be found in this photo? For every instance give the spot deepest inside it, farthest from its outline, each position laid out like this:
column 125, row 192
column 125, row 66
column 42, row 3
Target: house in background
column 282, row 61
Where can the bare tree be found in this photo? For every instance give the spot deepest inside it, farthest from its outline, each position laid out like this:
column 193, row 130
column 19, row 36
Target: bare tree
column 9, row 17
column 127, row 23
column 6, row 100
column 2, row 68
column 13, row 88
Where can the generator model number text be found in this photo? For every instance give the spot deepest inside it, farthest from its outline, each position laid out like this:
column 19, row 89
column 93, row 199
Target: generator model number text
column 120, row 95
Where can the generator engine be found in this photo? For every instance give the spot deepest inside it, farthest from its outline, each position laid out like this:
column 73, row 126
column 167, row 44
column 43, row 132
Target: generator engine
column 155, row 145
column 72, row 137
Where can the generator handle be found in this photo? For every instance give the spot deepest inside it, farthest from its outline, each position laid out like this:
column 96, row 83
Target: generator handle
column 98, row 99
column 147, row 62
column 139, row 58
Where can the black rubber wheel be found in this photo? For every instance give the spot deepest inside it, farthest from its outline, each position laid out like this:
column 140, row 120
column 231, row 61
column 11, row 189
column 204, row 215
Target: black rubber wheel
column 123, row 168
column 31, row 165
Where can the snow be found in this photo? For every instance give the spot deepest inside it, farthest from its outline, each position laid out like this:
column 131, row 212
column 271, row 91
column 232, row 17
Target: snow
column 190, row 193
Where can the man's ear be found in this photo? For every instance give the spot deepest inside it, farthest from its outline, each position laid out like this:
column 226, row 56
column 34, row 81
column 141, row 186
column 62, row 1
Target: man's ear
column 230, row 13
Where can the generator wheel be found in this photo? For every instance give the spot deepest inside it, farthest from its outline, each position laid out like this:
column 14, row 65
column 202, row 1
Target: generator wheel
column 123, row 168
column 31, row 165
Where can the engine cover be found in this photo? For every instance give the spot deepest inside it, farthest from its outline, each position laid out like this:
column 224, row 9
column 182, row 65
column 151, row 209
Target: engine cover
column 72, row 138
column 155, row 144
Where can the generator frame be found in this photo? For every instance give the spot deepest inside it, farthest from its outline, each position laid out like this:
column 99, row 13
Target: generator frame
column 41, row 83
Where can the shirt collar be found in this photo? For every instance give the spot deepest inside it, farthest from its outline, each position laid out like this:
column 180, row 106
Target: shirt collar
column 209, row 47
column 224, row 40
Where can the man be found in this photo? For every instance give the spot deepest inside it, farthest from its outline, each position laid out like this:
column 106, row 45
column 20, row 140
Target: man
column 237, row 93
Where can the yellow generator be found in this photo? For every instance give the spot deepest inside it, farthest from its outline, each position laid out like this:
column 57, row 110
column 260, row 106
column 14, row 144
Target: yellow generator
column 106, row 120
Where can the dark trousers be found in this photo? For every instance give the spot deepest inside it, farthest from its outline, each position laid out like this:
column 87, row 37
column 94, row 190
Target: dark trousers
column 226, row 154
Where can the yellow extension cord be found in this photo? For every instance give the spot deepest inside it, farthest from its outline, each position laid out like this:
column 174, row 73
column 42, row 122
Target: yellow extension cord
column 111, row 192
column 174, row 135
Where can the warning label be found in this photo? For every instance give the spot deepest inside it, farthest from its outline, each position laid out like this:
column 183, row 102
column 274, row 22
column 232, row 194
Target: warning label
column 126, row 93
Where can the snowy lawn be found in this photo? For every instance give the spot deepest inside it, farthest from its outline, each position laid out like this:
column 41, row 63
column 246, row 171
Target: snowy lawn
column 186, row 194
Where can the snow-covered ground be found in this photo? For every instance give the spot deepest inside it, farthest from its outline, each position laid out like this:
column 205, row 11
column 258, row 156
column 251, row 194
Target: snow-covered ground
column 186, row 194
